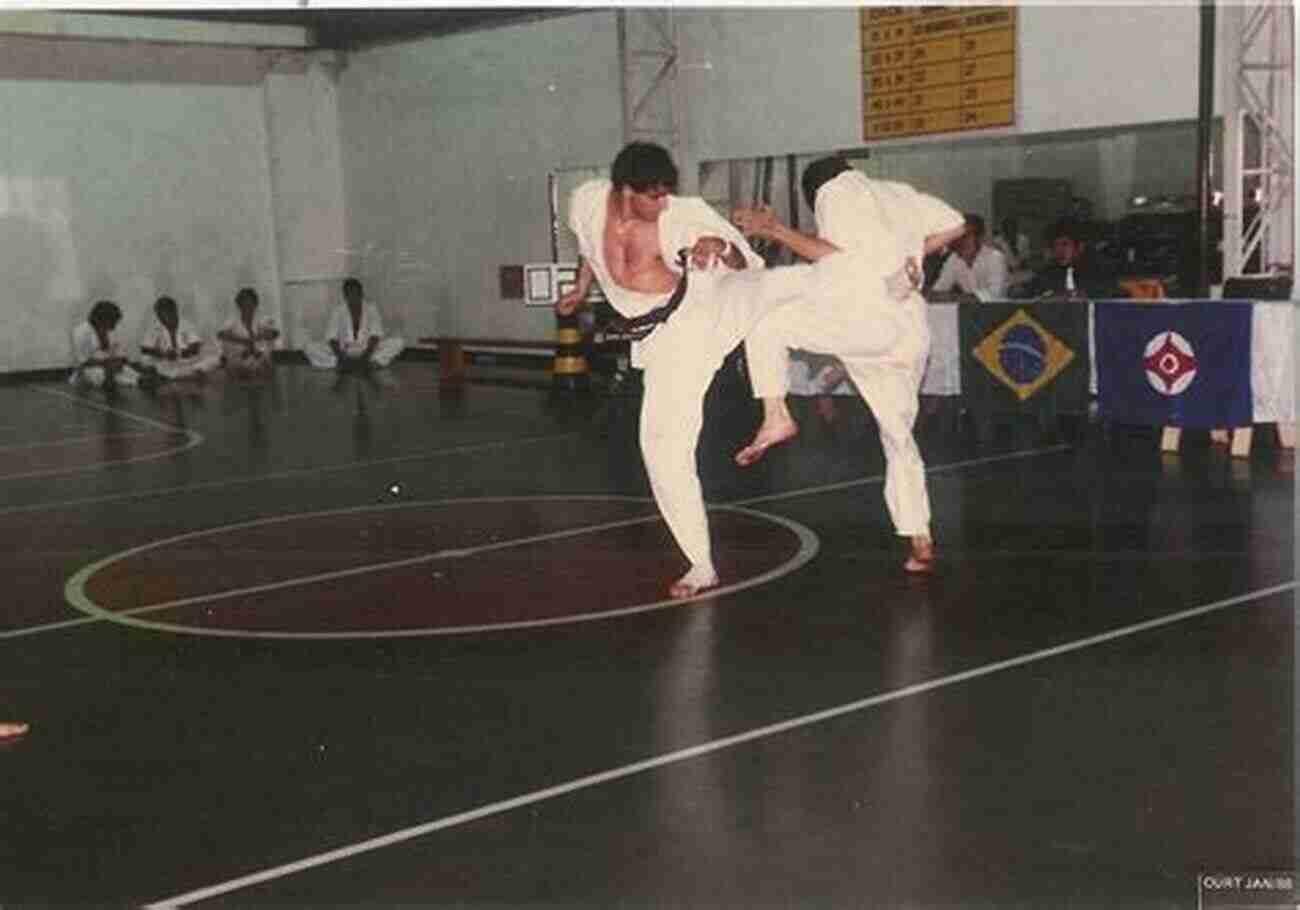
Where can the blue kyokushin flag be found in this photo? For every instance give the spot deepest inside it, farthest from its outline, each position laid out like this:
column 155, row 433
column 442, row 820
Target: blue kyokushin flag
column 1174, row 364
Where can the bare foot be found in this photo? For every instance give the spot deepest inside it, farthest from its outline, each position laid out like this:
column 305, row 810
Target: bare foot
column 921, row 559
column 768, row 435
column 693, row 582
column 12, row 730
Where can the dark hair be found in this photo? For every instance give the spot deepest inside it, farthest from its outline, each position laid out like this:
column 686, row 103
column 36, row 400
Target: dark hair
column 245, row 294
column 643, row 166
column 164, row 303
column 351, row 283
column 1065, row 227
column 105, row 313
column 819, row 173
column 976, row 224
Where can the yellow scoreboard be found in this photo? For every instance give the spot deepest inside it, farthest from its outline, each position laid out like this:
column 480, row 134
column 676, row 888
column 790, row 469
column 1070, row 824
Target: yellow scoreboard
column 937, row 69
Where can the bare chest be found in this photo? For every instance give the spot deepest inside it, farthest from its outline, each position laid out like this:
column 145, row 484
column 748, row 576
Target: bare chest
column 631, row 247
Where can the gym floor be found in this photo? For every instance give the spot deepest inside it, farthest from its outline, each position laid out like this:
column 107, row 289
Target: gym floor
column 358, row 642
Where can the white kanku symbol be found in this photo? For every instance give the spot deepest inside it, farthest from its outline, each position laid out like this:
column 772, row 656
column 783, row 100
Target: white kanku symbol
column 1170, row 363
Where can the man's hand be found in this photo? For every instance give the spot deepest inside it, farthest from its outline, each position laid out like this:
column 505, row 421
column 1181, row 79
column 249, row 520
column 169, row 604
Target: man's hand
column 901, row 283
column 755, row 222
column 568, row 303
column 708, row 250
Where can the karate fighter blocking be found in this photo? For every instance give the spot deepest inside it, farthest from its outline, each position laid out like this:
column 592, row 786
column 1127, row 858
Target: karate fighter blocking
column 866, row 309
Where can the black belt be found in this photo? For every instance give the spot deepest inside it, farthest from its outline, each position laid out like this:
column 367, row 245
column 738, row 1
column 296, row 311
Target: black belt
column 639, row 327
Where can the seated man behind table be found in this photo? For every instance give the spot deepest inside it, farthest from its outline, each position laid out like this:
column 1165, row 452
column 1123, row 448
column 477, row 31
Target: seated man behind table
column 101, row 359
column 1070, row 274
column 354, row 339
column 974, row 266
column 246, row 340
column 172, row 348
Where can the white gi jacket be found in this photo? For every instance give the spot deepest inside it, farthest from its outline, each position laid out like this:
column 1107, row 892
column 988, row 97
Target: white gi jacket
column 340, row 326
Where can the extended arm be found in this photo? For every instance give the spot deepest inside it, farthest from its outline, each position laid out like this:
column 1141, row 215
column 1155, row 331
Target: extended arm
column 570, row 301
column 762, row 222
column 941, row 239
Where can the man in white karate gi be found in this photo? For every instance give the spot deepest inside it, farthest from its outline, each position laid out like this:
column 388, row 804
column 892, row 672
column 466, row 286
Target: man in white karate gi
column 172, row 348
column 354, row 338
column 867, row 310
column 631, row 230
column 101, row 358
column 246, row 340
column 973, row 267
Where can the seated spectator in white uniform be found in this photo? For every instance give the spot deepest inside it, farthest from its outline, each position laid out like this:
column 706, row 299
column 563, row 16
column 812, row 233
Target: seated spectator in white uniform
column 354, row 338
column 172, row 348
column 246, row 340
column 101, row 359
column 974, row 267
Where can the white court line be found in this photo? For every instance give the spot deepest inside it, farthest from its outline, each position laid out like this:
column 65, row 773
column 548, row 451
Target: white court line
column 717, row 745
column 877, row 478
column 75, row 590
column 75, row 399
column 49, row 444
column 810, row 491
column 194, row 439
column 278, row 475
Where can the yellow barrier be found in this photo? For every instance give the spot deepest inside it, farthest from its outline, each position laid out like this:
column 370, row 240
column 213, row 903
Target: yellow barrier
column 570, row 372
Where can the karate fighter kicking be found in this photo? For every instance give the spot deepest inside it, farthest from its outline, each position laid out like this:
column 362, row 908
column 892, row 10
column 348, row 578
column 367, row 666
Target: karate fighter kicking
column 631, row 233
column 867, row 310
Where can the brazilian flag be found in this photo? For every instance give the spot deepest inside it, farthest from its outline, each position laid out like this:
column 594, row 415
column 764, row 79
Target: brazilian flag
column 1024, row 358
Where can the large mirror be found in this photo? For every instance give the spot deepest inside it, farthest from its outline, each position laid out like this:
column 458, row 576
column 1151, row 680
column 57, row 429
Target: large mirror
column 1132, row 192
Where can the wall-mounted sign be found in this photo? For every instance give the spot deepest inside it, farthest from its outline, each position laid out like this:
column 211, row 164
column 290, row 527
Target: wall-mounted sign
column 937, row 69
column 547, row 282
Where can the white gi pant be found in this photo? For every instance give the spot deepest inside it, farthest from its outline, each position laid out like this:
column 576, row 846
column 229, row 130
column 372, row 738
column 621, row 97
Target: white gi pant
column 322, row 356
column 96, row 377
column 679, row 359
column 184, row 367
column 883, row 343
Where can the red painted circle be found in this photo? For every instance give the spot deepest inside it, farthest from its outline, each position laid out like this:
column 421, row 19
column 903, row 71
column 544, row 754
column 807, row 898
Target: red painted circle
column 521, row 561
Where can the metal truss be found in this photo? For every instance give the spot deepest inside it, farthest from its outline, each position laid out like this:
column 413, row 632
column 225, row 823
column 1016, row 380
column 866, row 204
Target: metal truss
column 648, row 52
column 1259, row 141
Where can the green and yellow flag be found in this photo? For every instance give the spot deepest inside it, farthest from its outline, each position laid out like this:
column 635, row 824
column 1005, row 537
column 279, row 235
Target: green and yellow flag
column 1024, row 358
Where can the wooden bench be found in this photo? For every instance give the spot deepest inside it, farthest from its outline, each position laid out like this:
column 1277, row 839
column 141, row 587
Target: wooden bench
column 454, row 355
column 452, row 358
